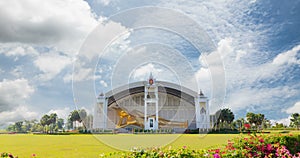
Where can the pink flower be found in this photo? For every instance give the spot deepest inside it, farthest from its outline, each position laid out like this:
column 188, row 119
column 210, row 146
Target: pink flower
column 269, row 147
column 216, row 155
column 247, row 126
column 33, row 155
column 184, row 147
column 261, row 140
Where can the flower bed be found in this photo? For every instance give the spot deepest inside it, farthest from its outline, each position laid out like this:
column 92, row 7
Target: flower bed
column 266, row 146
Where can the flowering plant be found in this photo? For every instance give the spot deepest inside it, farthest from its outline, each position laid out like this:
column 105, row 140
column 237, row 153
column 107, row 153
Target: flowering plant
column 267, row 146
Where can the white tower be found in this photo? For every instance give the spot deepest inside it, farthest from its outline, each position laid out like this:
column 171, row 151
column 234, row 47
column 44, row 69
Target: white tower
column 151, row 99
column 202, row 112
column 100, row 113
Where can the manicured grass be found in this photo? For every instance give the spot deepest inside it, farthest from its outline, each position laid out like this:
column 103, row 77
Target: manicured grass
column 92, row 145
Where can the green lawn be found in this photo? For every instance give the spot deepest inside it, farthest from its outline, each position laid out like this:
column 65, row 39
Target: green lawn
column 93, row 145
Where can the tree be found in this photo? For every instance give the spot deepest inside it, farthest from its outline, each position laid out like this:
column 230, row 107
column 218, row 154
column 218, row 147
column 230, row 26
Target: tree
column 45, row 121
column 295, row 120
column 69, row 124
column 226, row 116
column 250, row 118
column 83, row 115
column 52, row 119
column 239, row 124
column 37, row 127
column 255, row 119
column 259, row 120
column 11, row 128
column 60, row 123
column 278, row 125
column 18, row 126
column 266, row 123
column 74, row 116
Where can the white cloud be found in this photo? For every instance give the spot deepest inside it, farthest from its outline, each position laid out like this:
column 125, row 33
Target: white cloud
column 61, row 112
column 104, row 2
column 288, row 57
column 17, row 71
column 252, row 98
column 79, row 74
column 102, row 37
column 62, row 24
column 14, row 92
column 1, row 71
column 19, row 113
column 284, row 121
column 103, row 83
column 13, row 97
column 51, row 64
column 294, row 109
column 17, row 50
column 160, row 72
column 225, row 47
column 204, row 79
column 142, row 73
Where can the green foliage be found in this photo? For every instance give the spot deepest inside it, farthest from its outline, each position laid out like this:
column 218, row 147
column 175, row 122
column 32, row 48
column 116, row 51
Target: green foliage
column 295, row 120
column 256, row 119
column 225, row 118
column 7, row 155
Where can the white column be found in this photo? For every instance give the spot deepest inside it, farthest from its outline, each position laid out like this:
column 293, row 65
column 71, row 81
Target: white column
column 105, row 117
column 197, row 112
column 145, row 107
column 156, row 107
column 207, row 115
column 100, row 117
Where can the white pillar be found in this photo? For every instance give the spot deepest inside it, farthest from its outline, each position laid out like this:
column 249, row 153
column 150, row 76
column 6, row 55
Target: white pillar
column 105, row 117
column 145, row 107
column 151, row 87
column 202, row 117
column 100, row 113
column 156, row 107
column 197, row 112
column 207, row 115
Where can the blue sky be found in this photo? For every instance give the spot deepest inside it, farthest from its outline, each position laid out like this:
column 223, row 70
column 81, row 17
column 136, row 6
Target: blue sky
column 44, row 66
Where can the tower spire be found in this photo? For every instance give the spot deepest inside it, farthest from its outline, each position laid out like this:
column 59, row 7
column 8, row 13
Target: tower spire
column 201, row 93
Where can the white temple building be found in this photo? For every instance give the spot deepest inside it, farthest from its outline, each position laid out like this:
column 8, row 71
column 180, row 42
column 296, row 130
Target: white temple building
column 152, row 105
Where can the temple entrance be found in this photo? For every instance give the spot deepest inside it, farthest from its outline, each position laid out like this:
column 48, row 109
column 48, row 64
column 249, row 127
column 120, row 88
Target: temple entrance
column 151, row 122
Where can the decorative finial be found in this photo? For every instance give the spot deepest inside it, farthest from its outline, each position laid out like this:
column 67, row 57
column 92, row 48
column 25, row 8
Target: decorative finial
column 201, row 93
column 151, row 76
column 101, row 95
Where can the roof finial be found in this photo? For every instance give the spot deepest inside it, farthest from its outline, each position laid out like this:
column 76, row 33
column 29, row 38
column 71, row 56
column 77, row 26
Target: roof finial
column 201, row 93
column 101, row 95
column 151, row 76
